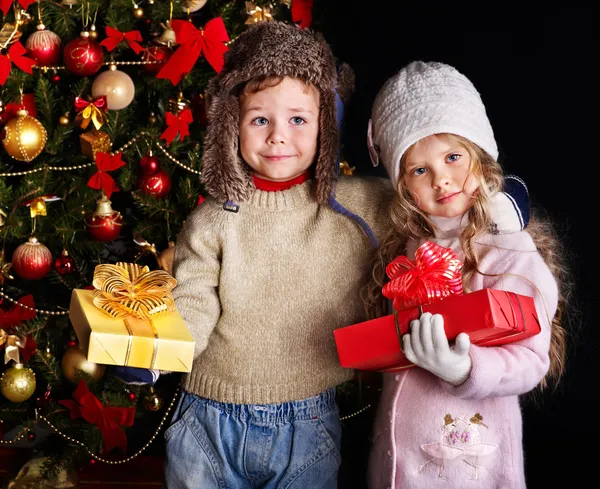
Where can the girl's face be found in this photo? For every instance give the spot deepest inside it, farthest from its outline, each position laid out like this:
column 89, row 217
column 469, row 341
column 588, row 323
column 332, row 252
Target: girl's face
column 438, row 174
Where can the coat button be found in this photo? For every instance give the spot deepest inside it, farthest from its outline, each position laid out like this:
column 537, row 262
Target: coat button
column 397, row 378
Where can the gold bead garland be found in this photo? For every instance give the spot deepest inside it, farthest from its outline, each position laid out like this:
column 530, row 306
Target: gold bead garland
column 361, row 410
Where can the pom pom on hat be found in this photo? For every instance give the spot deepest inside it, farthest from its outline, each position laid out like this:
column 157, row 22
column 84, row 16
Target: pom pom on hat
column 424, row 99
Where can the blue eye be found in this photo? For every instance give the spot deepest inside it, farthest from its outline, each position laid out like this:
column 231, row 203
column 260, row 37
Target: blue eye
column 260, row 121
column 419, row 171
column 297, row 121
column 453, row 157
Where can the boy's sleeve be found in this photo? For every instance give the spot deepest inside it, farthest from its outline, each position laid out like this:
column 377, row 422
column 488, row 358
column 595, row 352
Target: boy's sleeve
column 519, row 367
column 196, row 267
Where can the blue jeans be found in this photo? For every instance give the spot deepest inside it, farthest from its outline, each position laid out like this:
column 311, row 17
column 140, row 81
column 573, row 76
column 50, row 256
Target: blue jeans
column 293, row 445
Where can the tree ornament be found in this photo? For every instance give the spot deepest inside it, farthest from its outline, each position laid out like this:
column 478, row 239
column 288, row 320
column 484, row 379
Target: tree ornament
column 157, row 185
column 116, row 86
column 17, row 384
column 93, row 32
column 132, row 397
column 198, row 105
column 64, row 265
column 165, row 258
column 193, row 5
column 159, row 54
column 168, row 37
column 74, row 360
column 104, row 224
column 258, row 14
column 1, row 107
column 24, row 137
column 55, row 78
column 4, row 269
column 64, row 120
column 176, row 105
column 149, row 164
column 69, row 3
column 83, row 56
column 2, row 218
column 93, row 142
column 153, row 402
column 31, row 436
column 138, row 12
column 32, row 260
column 152, row 118
column 44, row 46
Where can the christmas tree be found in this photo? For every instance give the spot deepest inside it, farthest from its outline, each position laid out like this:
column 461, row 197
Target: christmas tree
column 102, row 117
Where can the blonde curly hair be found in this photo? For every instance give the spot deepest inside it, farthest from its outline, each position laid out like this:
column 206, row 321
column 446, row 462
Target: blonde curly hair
column 408, row 221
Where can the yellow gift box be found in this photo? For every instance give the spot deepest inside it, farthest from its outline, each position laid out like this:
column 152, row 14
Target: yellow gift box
column 131, row 320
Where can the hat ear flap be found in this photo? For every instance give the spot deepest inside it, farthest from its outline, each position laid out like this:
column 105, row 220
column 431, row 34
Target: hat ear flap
column 224, row 175
column 329, row 139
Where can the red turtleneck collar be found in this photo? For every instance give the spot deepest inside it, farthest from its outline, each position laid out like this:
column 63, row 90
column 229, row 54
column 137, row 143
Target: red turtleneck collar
column 270, row 186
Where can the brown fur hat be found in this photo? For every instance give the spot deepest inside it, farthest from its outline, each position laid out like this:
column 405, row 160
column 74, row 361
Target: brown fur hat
column 264, row 49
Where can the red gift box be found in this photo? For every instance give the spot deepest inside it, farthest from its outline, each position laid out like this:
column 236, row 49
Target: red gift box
column 432, row 283
column 490, row 317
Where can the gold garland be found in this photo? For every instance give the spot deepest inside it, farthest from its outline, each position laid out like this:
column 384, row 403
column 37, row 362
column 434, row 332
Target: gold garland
column 38, row 311
column 361, row 410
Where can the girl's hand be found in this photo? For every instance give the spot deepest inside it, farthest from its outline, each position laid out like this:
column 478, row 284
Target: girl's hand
column 427, row 347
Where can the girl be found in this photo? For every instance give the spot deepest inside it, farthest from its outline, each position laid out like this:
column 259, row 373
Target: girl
column 457, row 417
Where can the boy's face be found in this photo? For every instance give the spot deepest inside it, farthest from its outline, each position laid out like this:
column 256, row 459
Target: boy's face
column 279, row 127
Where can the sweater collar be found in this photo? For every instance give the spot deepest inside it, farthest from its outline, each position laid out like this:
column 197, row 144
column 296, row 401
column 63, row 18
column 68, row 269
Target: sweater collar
column 271, row 186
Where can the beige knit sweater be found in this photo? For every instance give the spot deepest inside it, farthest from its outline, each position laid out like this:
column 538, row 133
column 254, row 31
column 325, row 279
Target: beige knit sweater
column 262, row 290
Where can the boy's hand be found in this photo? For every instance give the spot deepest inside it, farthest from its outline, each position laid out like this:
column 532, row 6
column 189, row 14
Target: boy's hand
column 427, row 347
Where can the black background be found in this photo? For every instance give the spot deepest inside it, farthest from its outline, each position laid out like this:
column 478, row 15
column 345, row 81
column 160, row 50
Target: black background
column 534, row 70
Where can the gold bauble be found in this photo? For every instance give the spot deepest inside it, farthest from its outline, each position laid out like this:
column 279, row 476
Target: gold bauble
column 74, row 360
column 152, row 119
column 153, row 402
column 17, row 384
column 23, row 137
column 138, row 13
column 63, row 120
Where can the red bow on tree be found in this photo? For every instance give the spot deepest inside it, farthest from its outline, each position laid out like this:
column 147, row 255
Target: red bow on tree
column 15, row 55
column 17, row 313
column 101, row 179
column 302, row 12
column 11, row 109
column 434, row 275
column 6, row 4
column 177, row 124
column 208, row 41
column 101, row 103
column 107, row 419
column 115, row 37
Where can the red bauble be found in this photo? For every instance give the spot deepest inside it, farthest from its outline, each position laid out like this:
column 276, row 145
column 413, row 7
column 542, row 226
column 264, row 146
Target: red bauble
column 32, row 260
column 64, row 264
column 83, row 56
column 104, row 224
column 44, row 46
column 131, row 396
column 157, row 185
column 156, row 53
column 149, row 164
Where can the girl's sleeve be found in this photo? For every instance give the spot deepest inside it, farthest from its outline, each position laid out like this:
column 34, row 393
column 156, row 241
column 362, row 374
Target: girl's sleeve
column 196, row 267
column 516, row 368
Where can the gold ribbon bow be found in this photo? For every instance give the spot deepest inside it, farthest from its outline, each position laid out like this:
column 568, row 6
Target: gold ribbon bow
column 93, row 114
column 12, row 343
column 127, row 289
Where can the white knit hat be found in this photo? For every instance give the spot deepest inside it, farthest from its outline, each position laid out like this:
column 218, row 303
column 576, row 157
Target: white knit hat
column 423, row 99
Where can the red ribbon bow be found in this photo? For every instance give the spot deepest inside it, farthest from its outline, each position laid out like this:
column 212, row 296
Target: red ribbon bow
column 302, row 12
column 177, row 124
column 15, row 55
column 433, row 276
column 101, row 179
column 16, row 314
column 6, row 4
column 100, row 102
column 208, row 41
column 115, row 37
column 107, row 419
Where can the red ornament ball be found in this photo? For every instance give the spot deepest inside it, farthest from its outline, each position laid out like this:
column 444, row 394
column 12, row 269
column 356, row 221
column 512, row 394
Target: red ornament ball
column 31, row 436
column 149, row 164
column 104, row 228
column 131, row 396
column 83, row 56
column 44, row 46
column 157, row 185
column 55, row 78
column 32, row 260
column 71, row 343
column 64, row 264
column 156, row 53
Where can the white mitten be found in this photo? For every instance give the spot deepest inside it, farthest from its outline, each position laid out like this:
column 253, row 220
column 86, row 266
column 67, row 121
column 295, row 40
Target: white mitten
column 427, row 347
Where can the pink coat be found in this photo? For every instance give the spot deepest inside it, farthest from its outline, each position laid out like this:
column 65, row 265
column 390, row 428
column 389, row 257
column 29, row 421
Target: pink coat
column 428, row 431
